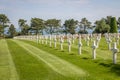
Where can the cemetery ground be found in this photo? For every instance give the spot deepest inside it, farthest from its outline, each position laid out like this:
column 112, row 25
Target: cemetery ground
column 27, row 60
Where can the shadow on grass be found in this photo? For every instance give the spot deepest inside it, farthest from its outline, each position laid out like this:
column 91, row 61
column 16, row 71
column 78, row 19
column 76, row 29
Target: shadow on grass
column 45, row 46
column 55, row 49
column 71, row 54
column 116, row 69
column 103, row 49
column 106, row 64
column 62, row 51
column 86, row 58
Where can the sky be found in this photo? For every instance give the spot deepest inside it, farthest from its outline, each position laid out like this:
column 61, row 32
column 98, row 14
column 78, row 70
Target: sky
column 60, row 9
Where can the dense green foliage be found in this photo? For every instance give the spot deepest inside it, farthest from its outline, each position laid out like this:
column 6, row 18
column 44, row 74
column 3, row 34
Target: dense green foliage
column 106, row 25
column 118, row 22
column 12, row 31
column 113, row 25
column 108, row 20
column 37, row 25
column 3, row 23
column 70, row 26
column 1, row 30
column 101, row 27
column 52, row 25
column 24, row 27
column 84, row 23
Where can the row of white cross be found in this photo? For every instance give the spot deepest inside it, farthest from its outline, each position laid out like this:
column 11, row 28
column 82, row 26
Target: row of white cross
column 87, row 37
column 115, row 50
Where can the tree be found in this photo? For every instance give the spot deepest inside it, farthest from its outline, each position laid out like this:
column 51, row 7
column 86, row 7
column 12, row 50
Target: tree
column 101, row 27
column 1, row 30
column 37, row 24
column 52, row 25
column 3, row 23
column 119, row 22
column 22, row 25
column 108, row 20
column 12, row 30
column 25, row 29
column 113, row 25
column 85, row 24
column 70, row 26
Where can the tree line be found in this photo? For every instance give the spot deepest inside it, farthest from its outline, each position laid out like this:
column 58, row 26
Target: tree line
column 54, row 26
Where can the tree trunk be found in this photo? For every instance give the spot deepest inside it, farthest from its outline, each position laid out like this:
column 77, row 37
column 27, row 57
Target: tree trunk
column 84, row 29
column 36, row 32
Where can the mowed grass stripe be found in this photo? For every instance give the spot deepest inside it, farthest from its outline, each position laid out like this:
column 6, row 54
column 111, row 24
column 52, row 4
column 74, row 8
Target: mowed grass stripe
column 7, row 67
column 61, row 66
column 31, row 68
column 98, row 69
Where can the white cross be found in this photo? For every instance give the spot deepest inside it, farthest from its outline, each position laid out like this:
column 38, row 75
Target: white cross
column 69, row 45
column 115, row 51
column 61, row 43
column 94, row 50
column 79, row 45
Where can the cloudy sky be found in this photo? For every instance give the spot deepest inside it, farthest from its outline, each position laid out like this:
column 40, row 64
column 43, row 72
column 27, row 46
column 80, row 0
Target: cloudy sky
column 60, row 9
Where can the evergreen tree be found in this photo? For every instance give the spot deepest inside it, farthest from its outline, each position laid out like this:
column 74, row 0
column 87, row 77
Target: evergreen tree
column 3, row 24
column 119, row 22
column 84, row 23
column 12, row 30
column 37, row 25
column 70, row 26
column 1, row 30
column 52, row 25
column 24, row 27
column 113, row 25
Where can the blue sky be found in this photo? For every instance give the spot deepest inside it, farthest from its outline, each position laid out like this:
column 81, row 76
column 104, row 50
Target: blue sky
column 59, row 9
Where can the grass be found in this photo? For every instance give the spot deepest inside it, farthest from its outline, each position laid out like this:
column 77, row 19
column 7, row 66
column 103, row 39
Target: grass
column 7, row 67
column 99, row 69
column 31, row 68
column 34, row 61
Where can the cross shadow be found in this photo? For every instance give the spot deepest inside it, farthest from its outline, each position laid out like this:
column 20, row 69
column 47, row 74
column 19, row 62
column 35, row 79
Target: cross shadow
column 85, row 58
column 62, row 51
column 106, row 64
column 71, row 54
column 55, row 49
column 116, row 69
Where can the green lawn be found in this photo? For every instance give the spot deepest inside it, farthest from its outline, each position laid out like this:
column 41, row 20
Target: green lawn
column 101, row 68
column 7, row 66
column 30, row 67
column 27, row 60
